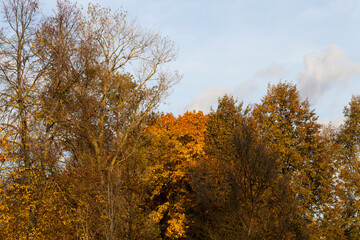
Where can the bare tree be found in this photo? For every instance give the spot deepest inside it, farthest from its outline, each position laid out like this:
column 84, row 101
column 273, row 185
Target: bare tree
column 106, row 75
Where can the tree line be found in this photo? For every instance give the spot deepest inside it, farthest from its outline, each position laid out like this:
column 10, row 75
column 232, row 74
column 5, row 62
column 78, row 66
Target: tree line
column 85, row 154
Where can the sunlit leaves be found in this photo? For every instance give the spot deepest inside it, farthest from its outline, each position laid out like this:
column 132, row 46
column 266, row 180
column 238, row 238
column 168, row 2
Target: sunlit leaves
column 177, row 144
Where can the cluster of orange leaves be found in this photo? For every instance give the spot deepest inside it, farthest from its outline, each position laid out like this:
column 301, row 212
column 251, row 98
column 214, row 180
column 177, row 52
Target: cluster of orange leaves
column 177, row 145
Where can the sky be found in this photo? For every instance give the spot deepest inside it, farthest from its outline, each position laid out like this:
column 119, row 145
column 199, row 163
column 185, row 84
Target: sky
column 238, row 47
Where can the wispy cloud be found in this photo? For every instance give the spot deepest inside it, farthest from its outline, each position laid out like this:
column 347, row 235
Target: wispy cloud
column 205, row 100
column 244, row 91
column 255, row 84
column 247, row 89
column 322, row 71
column 273, row 70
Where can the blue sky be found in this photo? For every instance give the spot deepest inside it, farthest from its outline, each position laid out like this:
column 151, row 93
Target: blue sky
column 239, row 46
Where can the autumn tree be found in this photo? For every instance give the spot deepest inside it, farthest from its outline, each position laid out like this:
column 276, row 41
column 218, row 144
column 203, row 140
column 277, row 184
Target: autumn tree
column 292, row 133
column 84, row 155
column 331, row 192
column 106, row 78
column 20, row 75
column 176, row 146
column 236, row 184
column 219, row 148
column 77, row 89
column 348, row 138
column 228, row 115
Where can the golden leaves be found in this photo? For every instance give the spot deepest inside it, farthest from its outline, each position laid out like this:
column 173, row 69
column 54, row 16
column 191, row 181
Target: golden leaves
column 177, row 144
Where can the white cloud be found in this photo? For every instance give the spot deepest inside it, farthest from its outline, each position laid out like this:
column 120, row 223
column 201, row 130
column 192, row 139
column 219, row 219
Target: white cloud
column 271, row 71
column 253, row 86
column 247, row 89
column 330, row 67
column 204, row 101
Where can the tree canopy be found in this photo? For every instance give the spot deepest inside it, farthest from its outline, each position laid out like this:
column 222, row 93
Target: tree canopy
column 86, row 154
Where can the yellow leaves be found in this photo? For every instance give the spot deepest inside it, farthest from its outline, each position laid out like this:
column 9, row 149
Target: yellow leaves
column 177, row 226
column 19, row 201
column 157, row 215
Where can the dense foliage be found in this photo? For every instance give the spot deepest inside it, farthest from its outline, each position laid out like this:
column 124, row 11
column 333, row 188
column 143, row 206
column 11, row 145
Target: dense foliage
column 86, row 155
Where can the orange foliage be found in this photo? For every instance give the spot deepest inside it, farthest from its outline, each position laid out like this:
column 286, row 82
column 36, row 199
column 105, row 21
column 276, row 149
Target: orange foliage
column 176, row 146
